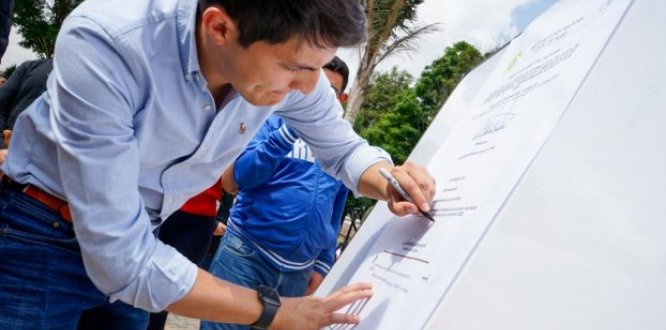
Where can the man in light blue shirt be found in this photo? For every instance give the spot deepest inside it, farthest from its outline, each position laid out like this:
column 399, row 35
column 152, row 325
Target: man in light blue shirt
column 148, row 102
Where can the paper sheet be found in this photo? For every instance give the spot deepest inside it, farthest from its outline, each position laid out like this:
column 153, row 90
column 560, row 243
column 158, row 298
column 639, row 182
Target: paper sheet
column 414, row 262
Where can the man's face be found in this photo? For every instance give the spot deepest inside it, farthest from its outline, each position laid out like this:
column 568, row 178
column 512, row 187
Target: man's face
column 263, row 74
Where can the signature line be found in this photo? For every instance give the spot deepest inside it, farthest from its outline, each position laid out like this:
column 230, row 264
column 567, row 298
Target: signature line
column 407, row 257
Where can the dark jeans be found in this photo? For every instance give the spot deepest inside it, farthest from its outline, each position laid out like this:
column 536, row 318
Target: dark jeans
column 43, row 284
column 191, row 235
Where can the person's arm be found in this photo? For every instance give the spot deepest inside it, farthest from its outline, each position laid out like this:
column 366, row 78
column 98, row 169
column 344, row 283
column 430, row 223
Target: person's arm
column 261, row 157
column 94, row 97
column 216, row 300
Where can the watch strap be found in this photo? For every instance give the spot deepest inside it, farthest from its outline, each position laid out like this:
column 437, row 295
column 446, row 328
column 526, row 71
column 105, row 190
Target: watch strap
column 270, row 308
column 266, row 317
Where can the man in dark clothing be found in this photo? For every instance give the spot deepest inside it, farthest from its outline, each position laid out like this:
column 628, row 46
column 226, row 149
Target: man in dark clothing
column 6, row 10
column 22, row 87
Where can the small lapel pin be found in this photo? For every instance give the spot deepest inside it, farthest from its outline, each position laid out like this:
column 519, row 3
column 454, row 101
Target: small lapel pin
column 242, row 128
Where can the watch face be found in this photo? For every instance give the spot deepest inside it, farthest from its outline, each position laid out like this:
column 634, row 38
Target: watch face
column 269, row 295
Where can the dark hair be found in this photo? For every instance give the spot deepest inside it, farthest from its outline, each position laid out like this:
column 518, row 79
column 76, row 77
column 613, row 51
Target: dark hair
column 321, row 23
column 339, row 66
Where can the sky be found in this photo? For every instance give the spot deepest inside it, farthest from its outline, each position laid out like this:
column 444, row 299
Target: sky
column 486, row 24
column 15, row 54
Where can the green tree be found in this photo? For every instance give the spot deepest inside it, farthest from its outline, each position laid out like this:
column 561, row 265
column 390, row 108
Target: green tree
column 9, row 70
column 381, row 96
column 391, row 29
column 396, row 116
column 398, row 130
column 39, row 21
column 440, row 77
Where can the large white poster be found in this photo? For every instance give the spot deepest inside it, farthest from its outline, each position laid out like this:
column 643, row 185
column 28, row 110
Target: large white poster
column 414, row 262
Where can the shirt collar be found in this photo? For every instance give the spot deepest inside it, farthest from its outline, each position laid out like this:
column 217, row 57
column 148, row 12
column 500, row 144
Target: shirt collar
column 187, row 45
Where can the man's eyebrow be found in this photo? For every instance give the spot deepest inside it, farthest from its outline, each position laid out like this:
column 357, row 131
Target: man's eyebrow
column 303, row 67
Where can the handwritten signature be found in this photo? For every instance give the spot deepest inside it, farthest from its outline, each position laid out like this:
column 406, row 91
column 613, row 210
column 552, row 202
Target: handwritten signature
column 494, row 124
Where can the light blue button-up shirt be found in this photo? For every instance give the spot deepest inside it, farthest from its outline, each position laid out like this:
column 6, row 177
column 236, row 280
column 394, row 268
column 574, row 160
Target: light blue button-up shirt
column 127, row 132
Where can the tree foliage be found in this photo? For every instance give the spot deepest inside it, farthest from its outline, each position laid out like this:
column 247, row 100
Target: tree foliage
column 39, row 21
column 440, row 77
column 382, row 94
column 9, row 70
column 395, row 115
column 398, row 130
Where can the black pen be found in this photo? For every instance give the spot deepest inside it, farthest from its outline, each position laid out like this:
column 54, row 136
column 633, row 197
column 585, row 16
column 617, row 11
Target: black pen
column 396, row 185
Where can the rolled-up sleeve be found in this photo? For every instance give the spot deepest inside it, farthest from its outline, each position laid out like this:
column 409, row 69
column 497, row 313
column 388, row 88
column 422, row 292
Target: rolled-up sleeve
column 94, row 95
column 341, row 152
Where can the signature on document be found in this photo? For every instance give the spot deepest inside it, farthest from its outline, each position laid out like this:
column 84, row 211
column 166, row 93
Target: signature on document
column 494, row 124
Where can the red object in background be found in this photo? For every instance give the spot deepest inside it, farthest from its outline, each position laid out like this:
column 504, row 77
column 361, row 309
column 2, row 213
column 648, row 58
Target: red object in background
column 204, row 203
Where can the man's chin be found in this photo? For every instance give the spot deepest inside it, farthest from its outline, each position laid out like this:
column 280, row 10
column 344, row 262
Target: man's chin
column 267, row 100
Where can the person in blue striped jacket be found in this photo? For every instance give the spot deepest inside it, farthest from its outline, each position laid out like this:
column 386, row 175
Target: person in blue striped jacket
column 282, row 231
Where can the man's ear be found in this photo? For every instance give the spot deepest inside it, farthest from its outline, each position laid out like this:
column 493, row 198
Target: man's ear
column 217, row 25
column 343, row 98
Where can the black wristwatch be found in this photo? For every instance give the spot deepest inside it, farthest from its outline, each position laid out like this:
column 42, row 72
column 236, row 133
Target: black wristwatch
column 271, row 301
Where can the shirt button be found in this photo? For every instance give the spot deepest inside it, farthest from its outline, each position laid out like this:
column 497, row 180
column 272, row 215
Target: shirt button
column 207, row 107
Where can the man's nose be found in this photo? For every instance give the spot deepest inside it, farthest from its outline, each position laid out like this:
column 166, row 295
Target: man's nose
column 305, row 81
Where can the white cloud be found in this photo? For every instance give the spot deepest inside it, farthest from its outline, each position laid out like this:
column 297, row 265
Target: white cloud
column 485, row 24
column 16, row 54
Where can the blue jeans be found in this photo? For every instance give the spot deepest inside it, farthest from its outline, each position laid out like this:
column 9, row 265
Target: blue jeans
column 43, row 284
column 237, row 261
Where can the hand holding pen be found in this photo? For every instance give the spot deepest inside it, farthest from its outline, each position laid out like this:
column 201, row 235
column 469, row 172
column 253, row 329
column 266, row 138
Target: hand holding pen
column 411, row 190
